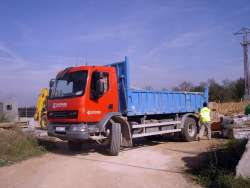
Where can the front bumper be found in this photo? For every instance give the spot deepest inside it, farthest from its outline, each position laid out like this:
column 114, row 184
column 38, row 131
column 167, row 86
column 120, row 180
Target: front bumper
column 73, row 132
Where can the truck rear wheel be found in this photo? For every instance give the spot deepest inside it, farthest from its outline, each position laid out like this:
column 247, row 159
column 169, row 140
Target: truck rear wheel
column 74, row 146
column 115, row 139
column 189, row 131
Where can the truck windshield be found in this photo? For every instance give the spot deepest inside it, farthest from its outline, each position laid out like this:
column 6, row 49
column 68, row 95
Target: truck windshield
column 69, row 84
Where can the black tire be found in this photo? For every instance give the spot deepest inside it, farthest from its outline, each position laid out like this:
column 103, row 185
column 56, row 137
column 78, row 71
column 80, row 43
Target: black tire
column 115, row 139
column 190, row 129
column 74, row 146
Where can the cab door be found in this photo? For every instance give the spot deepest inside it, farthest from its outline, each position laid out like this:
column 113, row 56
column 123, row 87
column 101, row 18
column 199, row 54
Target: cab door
column 103, row 94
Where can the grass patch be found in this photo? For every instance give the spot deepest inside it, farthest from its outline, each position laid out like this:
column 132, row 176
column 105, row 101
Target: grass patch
column 217, row 169
column 16, row 146
column 3, row 118
column 48, row 145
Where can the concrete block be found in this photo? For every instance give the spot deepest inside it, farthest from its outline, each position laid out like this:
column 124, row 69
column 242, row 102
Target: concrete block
column 243, row 167
column 241, row 133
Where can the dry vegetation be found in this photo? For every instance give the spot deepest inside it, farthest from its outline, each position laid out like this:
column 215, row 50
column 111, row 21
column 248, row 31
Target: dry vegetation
column 218, row 166
column 15, row 146
column 230, row 108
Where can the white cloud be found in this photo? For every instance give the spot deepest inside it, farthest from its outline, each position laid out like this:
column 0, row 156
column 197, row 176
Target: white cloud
column 22, row 79
column 9, row 59
column 121, row 30
column 183, row 40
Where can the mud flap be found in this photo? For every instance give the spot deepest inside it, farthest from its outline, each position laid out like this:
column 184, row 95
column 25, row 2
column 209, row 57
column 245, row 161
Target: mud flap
column 125, row 130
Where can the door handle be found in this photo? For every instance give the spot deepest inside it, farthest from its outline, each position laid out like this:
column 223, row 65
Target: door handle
column 110, row 106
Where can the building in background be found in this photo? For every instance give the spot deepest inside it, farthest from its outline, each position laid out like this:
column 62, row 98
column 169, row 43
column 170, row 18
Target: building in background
column 9, row 110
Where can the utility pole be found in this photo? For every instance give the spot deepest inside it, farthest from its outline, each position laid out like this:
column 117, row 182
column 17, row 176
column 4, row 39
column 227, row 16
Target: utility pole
column 244, row 32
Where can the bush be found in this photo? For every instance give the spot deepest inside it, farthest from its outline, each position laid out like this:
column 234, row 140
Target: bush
column 247, row 110
column 3, row 118
column 218, row 168
column 15, row 146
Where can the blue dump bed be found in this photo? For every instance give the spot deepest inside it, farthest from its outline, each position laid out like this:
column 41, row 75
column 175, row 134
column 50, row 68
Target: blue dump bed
column 134, row 102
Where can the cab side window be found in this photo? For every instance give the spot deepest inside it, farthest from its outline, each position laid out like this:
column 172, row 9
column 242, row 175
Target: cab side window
column 105, row 80
column 99, row 80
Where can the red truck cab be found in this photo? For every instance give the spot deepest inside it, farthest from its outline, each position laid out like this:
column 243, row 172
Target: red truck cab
column 80, row 96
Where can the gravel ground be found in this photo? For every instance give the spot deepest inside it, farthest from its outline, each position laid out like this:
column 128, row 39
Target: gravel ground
column 149, row 164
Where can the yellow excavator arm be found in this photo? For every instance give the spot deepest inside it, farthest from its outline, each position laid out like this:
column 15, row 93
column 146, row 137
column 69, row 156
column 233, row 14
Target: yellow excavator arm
column 41, row 108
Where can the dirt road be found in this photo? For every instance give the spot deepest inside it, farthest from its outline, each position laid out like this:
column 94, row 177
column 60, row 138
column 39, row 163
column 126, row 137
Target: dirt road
column 149, row 165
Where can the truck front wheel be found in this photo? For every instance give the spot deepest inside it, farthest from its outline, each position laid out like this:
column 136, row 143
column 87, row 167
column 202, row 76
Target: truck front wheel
column 115, row 139
column 189, row 130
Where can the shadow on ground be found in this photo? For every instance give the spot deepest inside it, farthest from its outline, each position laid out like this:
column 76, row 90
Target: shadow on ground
column 61, row 147
column 89, row 147
column 193, row 162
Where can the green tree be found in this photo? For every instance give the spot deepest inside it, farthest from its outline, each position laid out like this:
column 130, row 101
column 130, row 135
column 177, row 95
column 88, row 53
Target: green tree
column 239, row 89
column 184, row 86
column 148, row 88
column 199, row 88
column 215, row 91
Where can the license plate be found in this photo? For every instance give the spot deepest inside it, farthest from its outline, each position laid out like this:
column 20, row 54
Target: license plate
column 60, row 129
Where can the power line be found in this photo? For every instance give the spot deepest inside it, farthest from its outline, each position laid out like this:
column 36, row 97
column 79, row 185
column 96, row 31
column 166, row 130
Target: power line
column 244, row 32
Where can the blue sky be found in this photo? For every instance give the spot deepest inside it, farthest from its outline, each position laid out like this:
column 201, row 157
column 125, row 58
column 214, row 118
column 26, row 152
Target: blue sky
column 167, row 42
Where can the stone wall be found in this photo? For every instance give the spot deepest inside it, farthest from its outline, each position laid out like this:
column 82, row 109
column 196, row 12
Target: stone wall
column 243, row 167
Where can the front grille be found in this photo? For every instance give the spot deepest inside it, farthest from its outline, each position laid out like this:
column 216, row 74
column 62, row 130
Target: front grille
column 69, row 114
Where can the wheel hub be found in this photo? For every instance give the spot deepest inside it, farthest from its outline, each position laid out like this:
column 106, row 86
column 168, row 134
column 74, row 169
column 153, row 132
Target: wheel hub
column 191, row 130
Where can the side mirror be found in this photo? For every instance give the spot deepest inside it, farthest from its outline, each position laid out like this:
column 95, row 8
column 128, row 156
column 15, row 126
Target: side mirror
column 51, row 83
column 100, row 88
